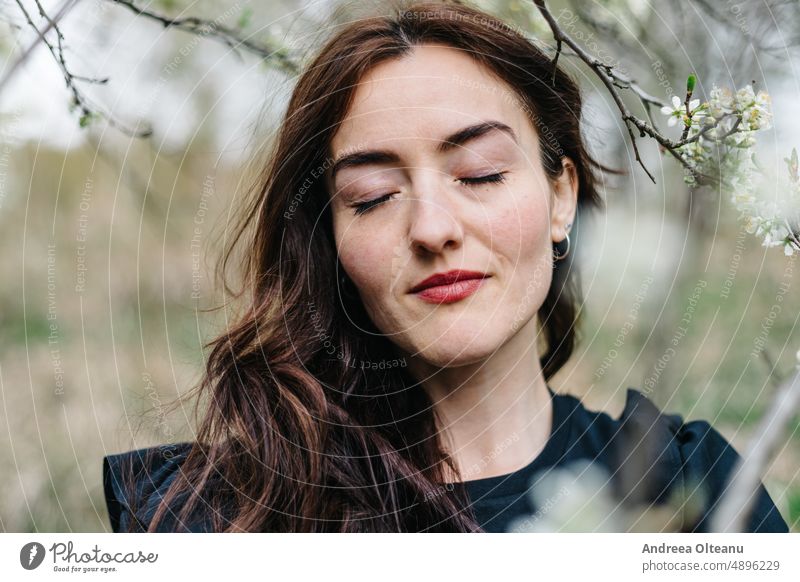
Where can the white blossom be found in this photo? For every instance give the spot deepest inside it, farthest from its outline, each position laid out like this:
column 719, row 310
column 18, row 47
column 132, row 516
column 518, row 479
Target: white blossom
column 720, row 102
column 721, row 135
column 678, row 112
column 675, row 112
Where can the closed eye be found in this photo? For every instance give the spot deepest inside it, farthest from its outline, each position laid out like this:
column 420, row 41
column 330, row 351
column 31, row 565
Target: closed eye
column 364, row 207
column 491, row 178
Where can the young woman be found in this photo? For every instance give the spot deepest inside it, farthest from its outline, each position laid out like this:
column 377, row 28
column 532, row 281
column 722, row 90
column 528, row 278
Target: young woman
column 407, row 256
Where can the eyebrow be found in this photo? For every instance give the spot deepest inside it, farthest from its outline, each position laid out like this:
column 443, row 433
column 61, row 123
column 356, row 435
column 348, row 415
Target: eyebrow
column 452, row 141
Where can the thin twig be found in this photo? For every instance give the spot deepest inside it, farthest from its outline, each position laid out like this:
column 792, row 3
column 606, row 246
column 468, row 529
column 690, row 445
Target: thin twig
column 555, row 60
column 774, row 377
column 602, row 72
column 792, row 235
column 687, row 126
column 613, row 80
column 87, row 108
column 736, row 505
column 14, row 68
column 60, row 39
column 229, row 36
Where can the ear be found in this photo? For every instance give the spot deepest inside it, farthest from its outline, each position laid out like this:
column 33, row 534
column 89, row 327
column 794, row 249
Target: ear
column 565, row 201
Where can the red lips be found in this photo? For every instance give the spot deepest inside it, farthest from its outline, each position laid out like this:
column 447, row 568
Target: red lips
column 447, row 278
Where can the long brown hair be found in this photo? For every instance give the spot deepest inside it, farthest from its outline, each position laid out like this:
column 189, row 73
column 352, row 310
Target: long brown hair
column 298, row 434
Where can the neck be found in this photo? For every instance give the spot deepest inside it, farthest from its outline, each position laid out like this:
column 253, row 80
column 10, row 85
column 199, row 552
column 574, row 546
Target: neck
column 495, row 415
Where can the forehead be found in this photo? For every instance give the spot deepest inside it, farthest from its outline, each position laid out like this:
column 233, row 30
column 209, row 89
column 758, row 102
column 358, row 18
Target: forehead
column 426, row 94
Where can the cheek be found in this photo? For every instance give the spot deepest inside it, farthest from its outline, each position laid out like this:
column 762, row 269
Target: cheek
column 520, row 230
column 521, row 242
column 364, row 259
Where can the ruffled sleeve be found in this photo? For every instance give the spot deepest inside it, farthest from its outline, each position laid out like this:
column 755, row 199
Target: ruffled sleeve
column 710, row 459
column 134, row 482
column 671, row 453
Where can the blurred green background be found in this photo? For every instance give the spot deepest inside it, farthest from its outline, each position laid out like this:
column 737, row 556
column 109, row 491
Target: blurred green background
column 108, row 240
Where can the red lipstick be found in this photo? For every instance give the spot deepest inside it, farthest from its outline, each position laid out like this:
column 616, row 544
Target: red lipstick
column 449, row 287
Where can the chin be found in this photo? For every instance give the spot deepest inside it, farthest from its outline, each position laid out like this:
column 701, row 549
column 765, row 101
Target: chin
column 456, row 346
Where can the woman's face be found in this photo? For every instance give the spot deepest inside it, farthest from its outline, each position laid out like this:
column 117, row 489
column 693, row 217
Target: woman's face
column 413, row 196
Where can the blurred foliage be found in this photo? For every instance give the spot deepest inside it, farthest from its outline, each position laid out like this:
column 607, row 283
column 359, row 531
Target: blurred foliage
column 131, row 339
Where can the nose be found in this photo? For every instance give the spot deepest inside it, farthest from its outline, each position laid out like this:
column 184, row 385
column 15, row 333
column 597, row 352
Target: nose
column 434, row 224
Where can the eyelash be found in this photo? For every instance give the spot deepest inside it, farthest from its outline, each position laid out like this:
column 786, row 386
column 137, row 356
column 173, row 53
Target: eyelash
column 489, row 179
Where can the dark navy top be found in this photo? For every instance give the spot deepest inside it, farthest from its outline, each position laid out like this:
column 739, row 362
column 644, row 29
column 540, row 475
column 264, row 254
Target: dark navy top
column 648, row 456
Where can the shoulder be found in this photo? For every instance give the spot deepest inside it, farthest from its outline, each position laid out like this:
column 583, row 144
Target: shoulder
column 709, row 461
column 598, row 433
column 653, row 454
column 135, row 481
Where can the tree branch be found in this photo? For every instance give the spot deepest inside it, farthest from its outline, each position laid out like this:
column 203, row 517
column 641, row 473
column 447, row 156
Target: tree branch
column 60, row 58
column 229, row 36
column 613, row 81
column 12, row 70
column 603, row 72
column 735, row 505
column 271, row 52
column 80, row 101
